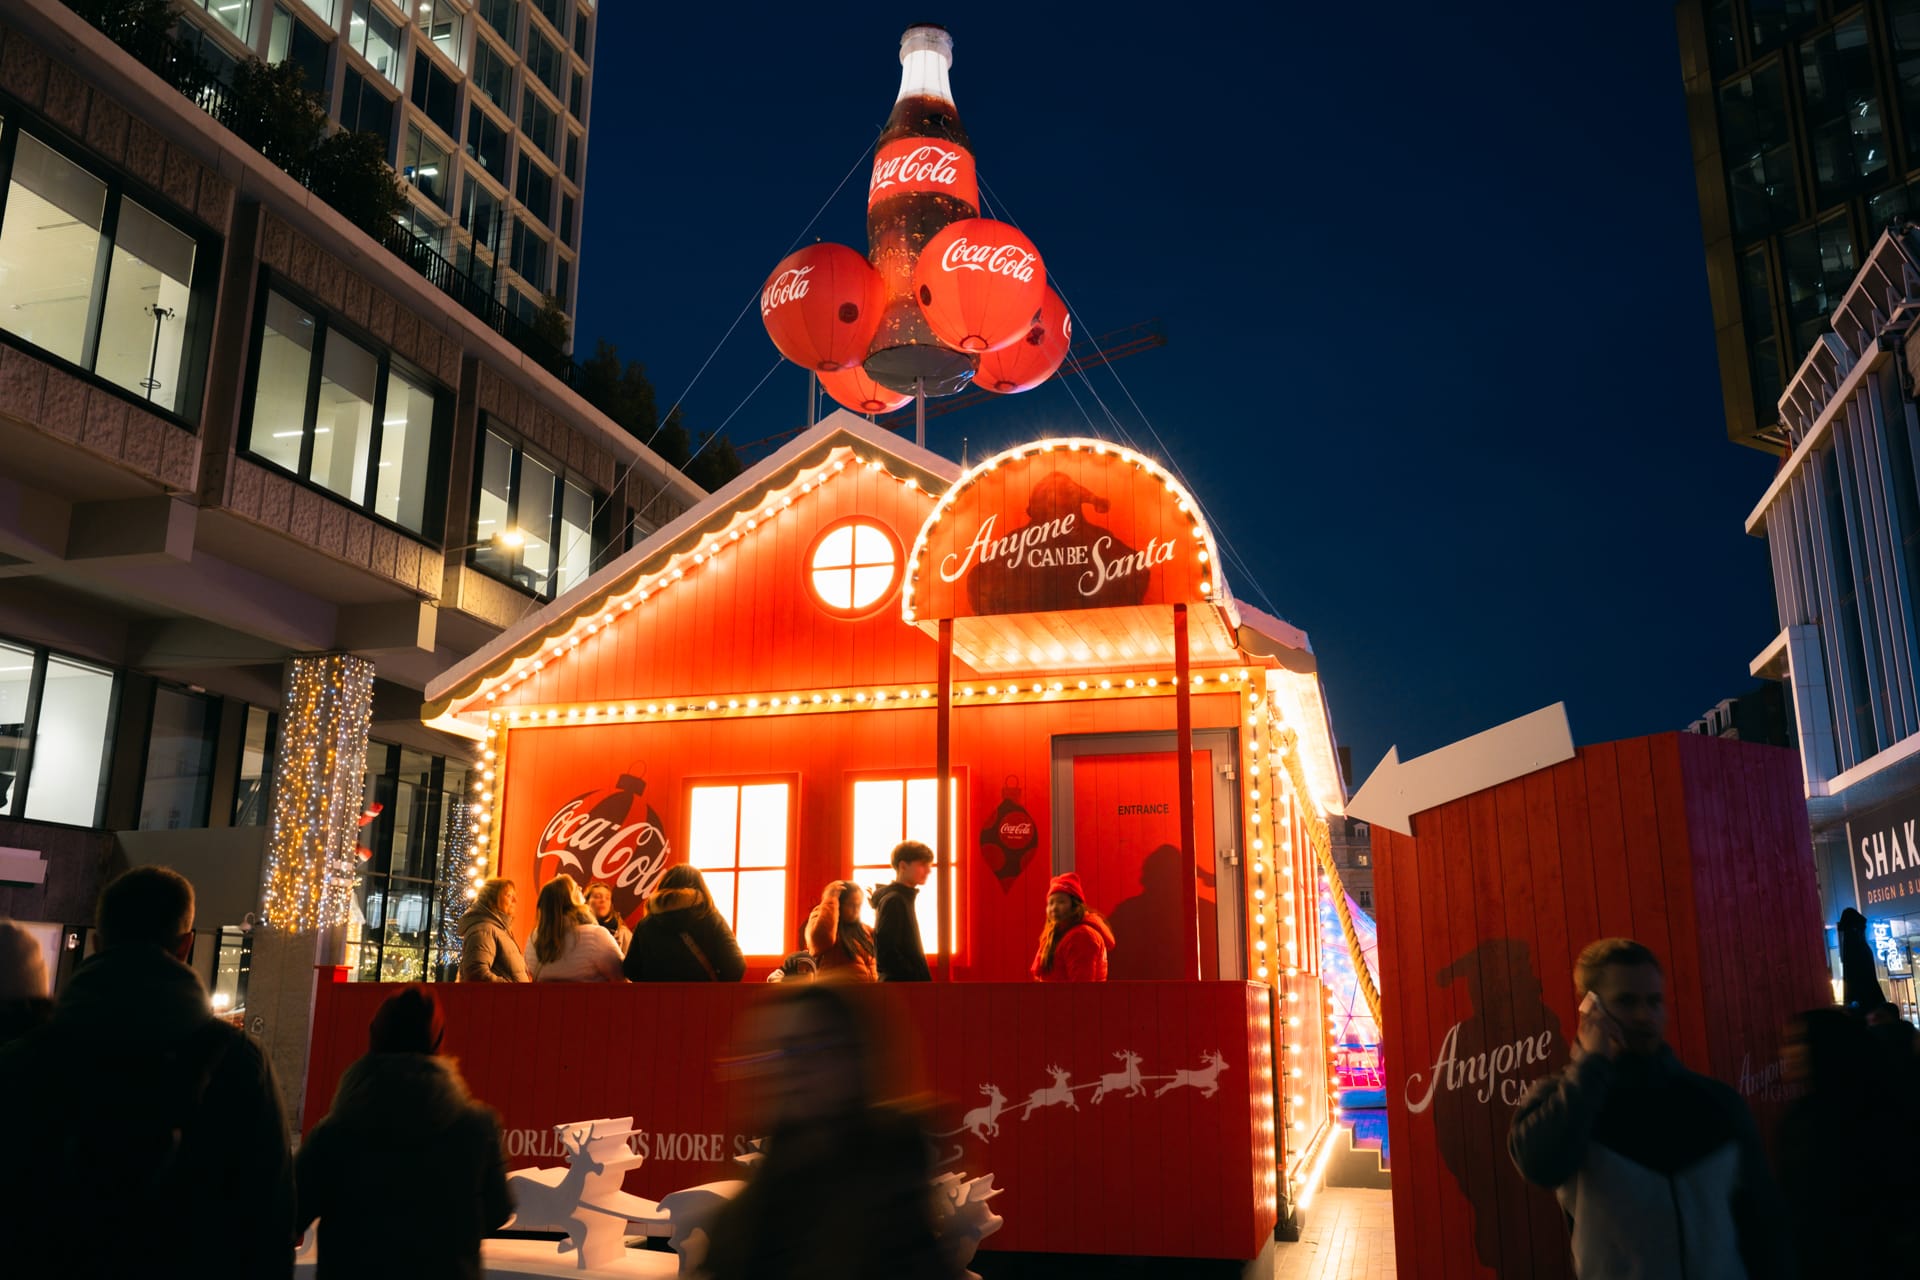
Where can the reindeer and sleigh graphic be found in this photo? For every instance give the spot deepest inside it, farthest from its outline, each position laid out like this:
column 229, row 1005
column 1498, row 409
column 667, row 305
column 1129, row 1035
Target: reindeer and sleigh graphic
column 983, row 1122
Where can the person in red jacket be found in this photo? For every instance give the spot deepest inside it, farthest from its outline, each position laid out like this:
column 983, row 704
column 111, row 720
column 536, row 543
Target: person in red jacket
column 1075, row 942
column 836, row 939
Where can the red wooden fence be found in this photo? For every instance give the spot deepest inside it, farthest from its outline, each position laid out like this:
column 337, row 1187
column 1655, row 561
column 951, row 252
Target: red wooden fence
column 1697, row 847
column 1181, row 1174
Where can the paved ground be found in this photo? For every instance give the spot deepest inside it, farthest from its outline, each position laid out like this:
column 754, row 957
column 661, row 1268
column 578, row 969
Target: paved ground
column 1349, row 1236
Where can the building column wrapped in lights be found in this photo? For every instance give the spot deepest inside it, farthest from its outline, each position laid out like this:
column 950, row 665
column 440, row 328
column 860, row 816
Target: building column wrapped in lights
column 318, row 784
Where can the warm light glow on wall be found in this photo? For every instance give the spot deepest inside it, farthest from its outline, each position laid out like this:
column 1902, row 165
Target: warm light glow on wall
column 318, row 789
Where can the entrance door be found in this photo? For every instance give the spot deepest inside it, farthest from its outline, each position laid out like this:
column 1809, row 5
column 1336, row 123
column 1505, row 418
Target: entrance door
column 1117, row 823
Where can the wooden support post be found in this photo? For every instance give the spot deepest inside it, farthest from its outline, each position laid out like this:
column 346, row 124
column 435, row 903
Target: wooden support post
column 1183, row 713
column 943, row 851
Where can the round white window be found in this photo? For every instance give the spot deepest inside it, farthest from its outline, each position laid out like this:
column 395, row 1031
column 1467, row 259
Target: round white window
column 854, row 566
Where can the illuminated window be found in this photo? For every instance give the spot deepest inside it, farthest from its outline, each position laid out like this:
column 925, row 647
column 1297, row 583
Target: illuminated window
column 739, row 838
column 854, row 566
column 887, row 811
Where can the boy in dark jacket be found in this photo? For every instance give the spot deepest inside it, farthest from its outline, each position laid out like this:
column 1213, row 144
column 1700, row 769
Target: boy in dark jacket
column 406, row 1172
column 897, row 948
column 1659, row 1171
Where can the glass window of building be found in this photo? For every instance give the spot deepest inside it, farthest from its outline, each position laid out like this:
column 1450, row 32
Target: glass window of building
column 398, row 901
column 327, row 10
column 1844, row 127
column 1723, row 43
column 440, row 22
column 375, row 37
column 487, row 142
column 503, row 16
column 133, row 323
column 554, row 518
column 67, row 779
column 235, row 15
column 583, row 28
column 291, row 40
column 533, row 186
column 739, row 837
column 566, row 219
column 1819, row 263
column 480, row 214
column 562, row 278
column 555, row 12
column 437, row 93
column 529, row 254
column 179, row 777
column 576, row 95
column 547, row 62
column 1885, row 206
column 327, row 421
column 364, row 109
column 493, row 74
column 889, row 810
column 476, row 266
column 1757, row 143
column 16, row 721
column 427, row 166
column 429, row 230
column 259, row 746
column 573, row 156
column 854, row 566
column 1763, row 344
column 1903, row 22
column 1771, row 23
column 538, row 121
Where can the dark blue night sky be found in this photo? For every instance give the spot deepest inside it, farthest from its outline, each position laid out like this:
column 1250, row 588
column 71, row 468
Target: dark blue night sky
column 1440, row 361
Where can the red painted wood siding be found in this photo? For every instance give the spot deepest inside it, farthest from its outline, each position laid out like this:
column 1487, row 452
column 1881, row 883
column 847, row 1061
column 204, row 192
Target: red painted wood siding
column 1699, row 848
column 1182, row 1175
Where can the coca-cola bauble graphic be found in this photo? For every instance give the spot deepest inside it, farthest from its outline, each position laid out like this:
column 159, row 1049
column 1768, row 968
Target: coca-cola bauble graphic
column 1036, row 357
column 610, row 835
column 854, row 389
column 980, row 284
column 821, row 307
column 1010, row 836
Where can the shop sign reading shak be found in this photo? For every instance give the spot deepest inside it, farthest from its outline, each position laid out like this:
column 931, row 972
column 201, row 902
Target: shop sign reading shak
column 1884, row 845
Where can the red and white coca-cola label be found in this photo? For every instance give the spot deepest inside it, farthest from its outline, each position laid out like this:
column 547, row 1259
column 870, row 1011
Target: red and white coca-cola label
column 916, row 164
column 1015, row 832
column 630, row 856
column 1011, row 260
column 789, row 286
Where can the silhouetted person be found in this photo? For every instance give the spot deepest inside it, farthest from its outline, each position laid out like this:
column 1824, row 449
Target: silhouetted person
column 488, row 952
column 898, row 951
column 1075, row 941
column 1147, row 925
column 405, row 1173
column 1891, row 1031
column 1844, row 1146
column 1659, row 1171
column 683, row 937
column 142, row 1136
column 1859, row 980
column 24, row 1003
column 835, row 938
column 843, row 1191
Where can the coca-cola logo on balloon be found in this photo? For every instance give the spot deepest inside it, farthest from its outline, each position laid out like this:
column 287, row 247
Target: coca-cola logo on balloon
column 999, row 259
column 612, row 836
column 912, row 164
column 785, row 287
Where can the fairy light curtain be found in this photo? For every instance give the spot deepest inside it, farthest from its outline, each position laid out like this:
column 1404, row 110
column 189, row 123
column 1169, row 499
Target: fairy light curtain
column 317, row 792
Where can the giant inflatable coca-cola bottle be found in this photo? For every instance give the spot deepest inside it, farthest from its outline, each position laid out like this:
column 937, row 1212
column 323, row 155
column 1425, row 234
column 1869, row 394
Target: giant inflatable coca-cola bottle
column 923, row 179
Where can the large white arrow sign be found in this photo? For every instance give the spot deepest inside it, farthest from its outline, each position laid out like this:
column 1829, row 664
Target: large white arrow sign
column 1397, row 790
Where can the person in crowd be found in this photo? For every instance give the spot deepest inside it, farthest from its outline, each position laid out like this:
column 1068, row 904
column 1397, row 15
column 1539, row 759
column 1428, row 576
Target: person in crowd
column 405, row 1173
column 897, row 950
column 1843, row 1145
column 1075, row 940
column 843, row 1188
column 1859, row 980
column 683, row 938
column 1892, row 1031
column 566, row 945
column 837, row 941
column 1659, row 1171
column 23, row 983
column 488, row 952
column 143, row 1136
column 600, row 902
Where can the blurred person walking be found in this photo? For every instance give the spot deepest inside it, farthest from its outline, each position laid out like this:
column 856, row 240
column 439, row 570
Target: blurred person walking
column 566, row 945
column 1075, row 940
column 24, row 1003
column 143, row 1135
column 600, row 902
column 405, row 1172
column 488, row 952
column 898, row 952
column 683, row 938
column 835, row 938
column 1659, row 1171
column 1859, row 979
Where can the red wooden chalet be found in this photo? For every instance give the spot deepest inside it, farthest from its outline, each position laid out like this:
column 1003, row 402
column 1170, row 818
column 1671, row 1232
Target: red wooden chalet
column 775, row 686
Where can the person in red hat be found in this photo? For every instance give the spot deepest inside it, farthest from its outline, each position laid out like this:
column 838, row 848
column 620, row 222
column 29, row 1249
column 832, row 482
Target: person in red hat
column 1076, row 939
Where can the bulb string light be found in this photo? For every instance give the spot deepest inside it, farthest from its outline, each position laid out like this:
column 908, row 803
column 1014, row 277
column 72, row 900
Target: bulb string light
column 318, row 784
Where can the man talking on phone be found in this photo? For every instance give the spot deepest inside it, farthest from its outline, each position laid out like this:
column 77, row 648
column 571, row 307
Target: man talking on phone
column 1659, row 1170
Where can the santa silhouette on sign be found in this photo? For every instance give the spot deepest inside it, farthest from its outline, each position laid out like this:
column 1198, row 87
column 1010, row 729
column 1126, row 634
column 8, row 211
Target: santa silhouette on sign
column 1058, row 559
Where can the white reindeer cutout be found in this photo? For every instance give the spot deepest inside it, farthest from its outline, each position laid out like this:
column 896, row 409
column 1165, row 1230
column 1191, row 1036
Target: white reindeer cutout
column 1127, row 1079
column 584, row 1199
column 1206, row 1079
column 1059, row 1092
column 984, row 1122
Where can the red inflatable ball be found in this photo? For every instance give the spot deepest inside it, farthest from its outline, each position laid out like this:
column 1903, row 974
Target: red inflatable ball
column 979, row 283
column 854, row 389
column 1032, row 360
column 822, row 307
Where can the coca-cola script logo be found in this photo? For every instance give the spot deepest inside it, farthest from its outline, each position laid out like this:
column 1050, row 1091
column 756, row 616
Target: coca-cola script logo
column 995, row 259
column 1016, row 832
column 788, row 286
column 922, row 166
column 613, row 837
